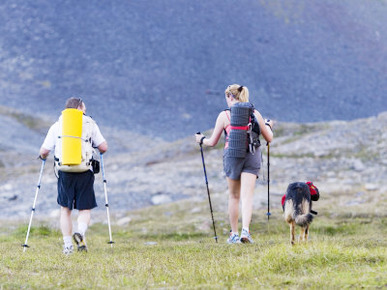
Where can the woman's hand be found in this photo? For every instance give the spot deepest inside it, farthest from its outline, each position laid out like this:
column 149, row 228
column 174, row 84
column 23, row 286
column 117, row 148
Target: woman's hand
column 198, row 137
column 269, row 123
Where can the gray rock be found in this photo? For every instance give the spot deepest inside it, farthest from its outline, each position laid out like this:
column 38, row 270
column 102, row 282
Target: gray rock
column 124, row 221
column 150, row 243
column 358, row 165
column 161, row 199
column 371, row 186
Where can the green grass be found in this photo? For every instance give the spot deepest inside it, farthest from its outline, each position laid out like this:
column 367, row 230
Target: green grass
column 173, row 247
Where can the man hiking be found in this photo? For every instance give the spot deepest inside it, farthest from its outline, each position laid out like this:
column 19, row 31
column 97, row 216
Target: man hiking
column 75, row 178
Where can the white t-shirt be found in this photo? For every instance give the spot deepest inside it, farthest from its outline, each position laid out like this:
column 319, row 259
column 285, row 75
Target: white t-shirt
column 54, row 131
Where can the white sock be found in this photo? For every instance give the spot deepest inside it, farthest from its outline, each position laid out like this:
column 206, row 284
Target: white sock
column 235, row 233
column 246, row 229
column 82, row 228
column 67, row 241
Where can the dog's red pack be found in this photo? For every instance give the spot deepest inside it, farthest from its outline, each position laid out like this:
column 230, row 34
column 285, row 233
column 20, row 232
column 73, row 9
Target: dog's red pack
column 314, row 193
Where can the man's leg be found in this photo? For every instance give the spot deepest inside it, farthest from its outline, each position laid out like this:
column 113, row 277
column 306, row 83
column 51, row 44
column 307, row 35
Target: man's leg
column 66, row 224
column 83, row 223
column 66, row 227
column 84, row 217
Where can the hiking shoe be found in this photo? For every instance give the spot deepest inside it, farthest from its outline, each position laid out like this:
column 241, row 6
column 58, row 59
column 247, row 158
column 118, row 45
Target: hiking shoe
column 68, row 250
column 246, row 237
column 233, row 239
column 80, row 242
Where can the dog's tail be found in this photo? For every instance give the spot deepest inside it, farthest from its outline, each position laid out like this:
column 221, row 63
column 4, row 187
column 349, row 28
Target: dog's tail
column 299, row 213
column 303, row 219
column 289, row 212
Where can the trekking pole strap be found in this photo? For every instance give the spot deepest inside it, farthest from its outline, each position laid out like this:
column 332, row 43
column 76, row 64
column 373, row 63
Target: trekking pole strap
column 268, row 180
column 41, row 172
column 102, row 168
column 204, row 165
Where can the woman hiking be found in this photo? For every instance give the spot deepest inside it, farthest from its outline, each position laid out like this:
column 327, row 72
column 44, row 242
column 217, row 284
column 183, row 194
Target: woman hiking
column 241, row 172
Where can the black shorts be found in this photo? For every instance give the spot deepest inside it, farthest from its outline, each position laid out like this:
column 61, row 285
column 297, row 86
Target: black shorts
column 76, row 190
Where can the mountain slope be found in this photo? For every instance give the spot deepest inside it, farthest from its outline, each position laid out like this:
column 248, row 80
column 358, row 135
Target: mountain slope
column 160, row 67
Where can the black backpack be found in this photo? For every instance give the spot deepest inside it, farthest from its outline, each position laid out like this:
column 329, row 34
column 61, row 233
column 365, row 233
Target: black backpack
column 252, row 132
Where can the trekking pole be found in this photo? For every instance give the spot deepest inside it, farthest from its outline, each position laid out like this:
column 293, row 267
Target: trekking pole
column 268, row 181
column 208, row 191
column 25, row 245
column 106, row 201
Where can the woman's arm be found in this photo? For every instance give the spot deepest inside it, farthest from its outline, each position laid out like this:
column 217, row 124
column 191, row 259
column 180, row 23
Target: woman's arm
column 219, row 126
column 266, row 131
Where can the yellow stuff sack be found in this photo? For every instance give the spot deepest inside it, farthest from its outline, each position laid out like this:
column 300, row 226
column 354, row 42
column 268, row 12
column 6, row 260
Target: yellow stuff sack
column 71, row 137
column 73, row 149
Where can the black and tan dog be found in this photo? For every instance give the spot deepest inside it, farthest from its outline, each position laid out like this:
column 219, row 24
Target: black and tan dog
column 297, row 206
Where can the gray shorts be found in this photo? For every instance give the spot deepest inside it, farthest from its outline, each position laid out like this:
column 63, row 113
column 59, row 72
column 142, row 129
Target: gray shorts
column 233, row 167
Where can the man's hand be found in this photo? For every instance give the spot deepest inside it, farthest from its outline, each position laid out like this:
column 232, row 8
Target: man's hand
column 43, row 153
column 103, row 147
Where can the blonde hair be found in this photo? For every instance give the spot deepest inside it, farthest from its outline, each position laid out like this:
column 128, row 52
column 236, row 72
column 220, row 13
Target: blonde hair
column 238, row 92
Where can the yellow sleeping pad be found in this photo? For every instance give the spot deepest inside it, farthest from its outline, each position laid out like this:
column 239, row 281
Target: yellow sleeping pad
column 71, row 137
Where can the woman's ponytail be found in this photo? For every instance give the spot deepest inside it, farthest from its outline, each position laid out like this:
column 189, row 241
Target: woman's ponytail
column 243, row 94
column 240, row 93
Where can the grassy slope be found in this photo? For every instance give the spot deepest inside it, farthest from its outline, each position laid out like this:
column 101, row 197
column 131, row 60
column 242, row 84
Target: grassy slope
column 172, row 246
column 348, row 248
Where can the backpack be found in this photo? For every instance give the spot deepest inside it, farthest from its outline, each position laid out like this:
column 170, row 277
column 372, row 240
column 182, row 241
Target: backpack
column 245, row 130
column 254, row 133
column 314, row 192
column 73, row 147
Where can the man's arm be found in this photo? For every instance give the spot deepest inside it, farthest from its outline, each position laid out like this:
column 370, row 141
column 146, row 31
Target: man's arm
column 98, row 140
column 49, row 141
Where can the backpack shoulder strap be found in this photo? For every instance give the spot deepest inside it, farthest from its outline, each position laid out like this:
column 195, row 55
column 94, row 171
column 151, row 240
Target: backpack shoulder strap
column 227, row 111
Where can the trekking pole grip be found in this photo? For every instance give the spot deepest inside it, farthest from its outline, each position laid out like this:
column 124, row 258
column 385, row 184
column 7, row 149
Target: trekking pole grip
column 201, row 140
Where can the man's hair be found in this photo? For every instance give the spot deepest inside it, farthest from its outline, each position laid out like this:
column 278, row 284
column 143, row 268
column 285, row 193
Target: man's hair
column 74, row 103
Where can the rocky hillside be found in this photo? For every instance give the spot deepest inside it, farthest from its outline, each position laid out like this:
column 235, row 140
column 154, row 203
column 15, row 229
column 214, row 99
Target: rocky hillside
column 345, row 158
column 135, row 62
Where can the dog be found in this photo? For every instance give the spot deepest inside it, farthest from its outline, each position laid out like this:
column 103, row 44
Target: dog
column 297, row 207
